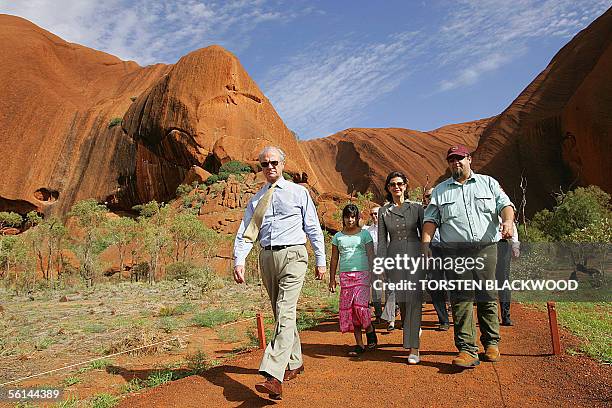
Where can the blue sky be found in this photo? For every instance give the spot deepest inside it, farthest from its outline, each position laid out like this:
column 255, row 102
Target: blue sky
column 330, row 65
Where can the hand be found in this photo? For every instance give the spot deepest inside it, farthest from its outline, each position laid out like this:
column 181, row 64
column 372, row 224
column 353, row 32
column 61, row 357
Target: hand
column 319, row 272
column 426, row 250
column 507, row 229
column 516, row 252
column 332, row 284
column 239, row 273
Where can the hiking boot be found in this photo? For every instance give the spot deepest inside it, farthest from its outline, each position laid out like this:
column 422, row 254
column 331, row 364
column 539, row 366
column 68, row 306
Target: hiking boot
column 465, row 360
column 507, row 322
column 443, row 327
column 491, row 354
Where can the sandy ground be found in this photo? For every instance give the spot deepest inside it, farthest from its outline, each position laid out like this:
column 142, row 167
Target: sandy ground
column 528, row 374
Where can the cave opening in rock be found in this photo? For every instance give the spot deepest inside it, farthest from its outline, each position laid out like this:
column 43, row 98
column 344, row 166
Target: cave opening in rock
column 45, row 194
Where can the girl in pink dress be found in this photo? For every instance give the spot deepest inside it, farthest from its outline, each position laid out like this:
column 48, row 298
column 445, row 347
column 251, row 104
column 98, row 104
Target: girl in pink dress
column 352, row 255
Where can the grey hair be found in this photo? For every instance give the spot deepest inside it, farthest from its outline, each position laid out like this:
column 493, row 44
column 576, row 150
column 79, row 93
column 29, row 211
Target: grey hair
column 267, row 149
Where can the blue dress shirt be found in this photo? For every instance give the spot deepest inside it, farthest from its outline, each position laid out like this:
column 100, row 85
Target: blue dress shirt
column 290, row 218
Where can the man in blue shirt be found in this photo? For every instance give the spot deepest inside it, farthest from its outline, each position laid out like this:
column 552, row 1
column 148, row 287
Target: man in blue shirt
column 281, row 216
column 466, row 209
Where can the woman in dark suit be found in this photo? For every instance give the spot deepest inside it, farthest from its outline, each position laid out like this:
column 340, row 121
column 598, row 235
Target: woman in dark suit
column 399, row 231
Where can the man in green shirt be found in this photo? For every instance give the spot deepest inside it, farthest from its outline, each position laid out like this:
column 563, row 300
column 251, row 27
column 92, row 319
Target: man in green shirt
column 466, row 210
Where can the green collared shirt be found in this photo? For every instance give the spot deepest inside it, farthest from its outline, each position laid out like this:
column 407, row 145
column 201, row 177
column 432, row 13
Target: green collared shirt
column 469, row 212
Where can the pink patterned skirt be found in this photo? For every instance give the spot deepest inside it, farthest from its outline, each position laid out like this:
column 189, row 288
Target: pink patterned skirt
column 354, row 300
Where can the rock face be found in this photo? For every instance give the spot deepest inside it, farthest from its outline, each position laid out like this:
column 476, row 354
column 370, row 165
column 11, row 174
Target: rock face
column 59, row 100
column 76, row 123
column 360, row 159
column 205, row 111
column 558, row 132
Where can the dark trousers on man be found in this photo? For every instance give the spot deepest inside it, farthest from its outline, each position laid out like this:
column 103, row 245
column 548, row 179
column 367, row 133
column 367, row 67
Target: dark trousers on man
column 502, row 274
column 462, row 299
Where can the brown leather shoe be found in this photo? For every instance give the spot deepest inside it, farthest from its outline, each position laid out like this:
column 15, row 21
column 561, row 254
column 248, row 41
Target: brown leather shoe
column 464, row 360
column 291, row 374
column 492, row 354
column 272, row 387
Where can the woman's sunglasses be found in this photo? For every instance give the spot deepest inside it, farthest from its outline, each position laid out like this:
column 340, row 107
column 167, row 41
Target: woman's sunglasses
column 268, row 163
column 399, row 184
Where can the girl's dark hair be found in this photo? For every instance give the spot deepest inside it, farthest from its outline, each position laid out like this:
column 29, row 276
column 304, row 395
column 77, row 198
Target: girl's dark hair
column 392, row 175
column 350, row 209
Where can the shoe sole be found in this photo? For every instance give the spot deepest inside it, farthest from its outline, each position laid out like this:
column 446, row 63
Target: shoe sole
column 264, row 390
column 470, row 365
column 491, row 360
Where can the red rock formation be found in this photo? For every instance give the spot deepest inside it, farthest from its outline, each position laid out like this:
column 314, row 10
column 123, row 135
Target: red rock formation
column 360, row 159
column 558, row 130
column 59, row 99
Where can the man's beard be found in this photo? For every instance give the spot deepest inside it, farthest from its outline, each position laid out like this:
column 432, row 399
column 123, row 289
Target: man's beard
column 457, row 172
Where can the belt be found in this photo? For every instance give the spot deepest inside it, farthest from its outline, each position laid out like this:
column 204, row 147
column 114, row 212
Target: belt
column 279, row 247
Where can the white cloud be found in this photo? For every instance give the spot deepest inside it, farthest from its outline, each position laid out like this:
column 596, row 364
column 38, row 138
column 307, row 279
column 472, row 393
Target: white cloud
column 150, row 31
column 326, row 87
column 490, row 33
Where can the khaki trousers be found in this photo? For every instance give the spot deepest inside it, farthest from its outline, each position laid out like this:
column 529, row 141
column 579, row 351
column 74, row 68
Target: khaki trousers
column 283, row 274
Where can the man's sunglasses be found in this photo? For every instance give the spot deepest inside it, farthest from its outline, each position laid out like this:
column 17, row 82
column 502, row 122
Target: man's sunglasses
column 399, row 184
column 427, row 195
column 271, row 162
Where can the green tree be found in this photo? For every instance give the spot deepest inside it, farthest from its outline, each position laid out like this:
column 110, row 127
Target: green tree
column 88, row 245
column 153, row 227
column 581, row 224
column 9, row 219
column 186, row 230
column 121, row 232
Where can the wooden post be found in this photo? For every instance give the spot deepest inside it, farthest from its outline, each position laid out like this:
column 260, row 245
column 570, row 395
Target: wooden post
column 554, row 328
column 261, row 333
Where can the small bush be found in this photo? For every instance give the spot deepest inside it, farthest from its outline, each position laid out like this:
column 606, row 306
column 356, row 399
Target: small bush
column 114, row 122
column 135, row 384
column 214, row 317
column 71, row 381
column 159, row 378
column 197, row 362
column 103, row 400
column 100, row 364
column 235, row 167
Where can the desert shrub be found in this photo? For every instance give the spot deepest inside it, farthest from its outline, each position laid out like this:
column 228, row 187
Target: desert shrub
column 114, row 122
column 103, row 400
column 235, row 167
column 198, row 362
column 214, row 317
column 201, row 277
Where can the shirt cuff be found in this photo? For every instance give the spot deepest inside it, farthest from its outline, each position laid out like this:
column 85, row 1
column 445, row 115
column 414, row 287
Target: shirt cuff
column 320, row 260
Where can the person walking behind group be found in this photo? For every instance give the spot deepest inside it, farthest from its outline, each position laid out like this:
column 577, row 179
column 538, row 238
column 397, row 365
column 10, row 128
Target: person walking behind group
column 280, row 215
column 353, row 255
column 466, row 209
column 506, row 249
column 376, row 294
column 438, row 297
column 399, row 231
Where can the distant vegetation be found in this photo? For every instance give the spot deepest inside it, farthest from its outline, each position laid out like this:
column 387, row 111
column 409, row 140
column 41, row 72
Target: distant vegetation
column 114, row 122
column 234, row 167
column 162, row 236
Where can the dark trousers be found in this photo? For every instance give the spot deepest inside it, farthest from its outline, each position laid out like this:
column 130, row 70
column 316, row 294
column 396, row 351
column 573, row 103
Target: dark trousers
column 462, row 299
column 502, row 273
column 438, row 297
